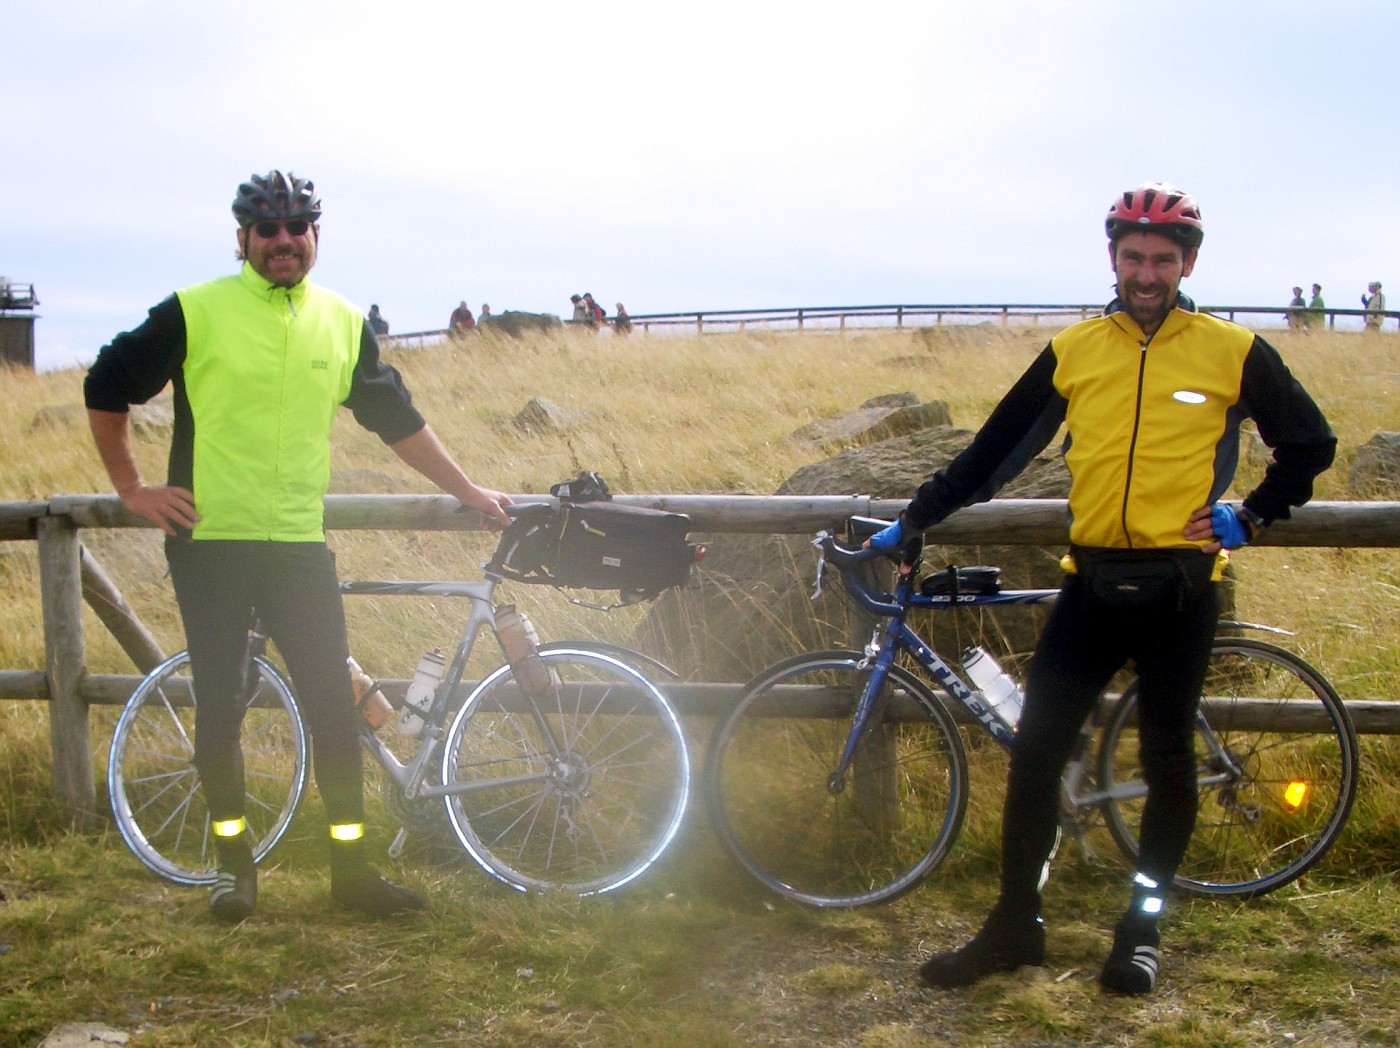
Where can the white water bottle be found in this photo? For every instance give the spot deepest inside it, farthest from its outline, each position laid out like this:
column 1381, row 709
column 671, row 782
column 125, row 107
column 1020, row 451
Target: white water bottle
column 999, row 690
column 418, row 698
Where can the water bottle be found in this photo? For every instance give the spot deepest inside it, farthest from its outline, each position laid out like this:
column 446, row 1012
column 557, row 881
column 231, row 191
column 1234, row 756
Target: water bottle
column 998, row 690
column 521, row 644
column 373, row 704
column 418, row 699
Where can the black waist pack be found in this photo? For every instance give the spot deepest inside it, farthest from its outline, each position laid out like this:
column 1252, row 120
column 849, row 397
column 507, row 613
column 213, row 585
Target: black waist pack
column 1128, row 578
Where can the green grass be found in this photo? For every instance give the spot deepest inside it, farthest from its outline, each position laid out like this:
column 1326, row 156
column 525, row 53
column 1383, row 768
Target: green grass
column 692, row 955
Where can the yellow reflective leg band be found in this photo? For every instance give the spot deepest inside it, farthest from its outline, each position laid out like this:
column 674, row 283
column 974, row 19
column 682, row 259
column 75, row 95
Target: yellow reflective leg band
column 230, row 827
column 348, row 831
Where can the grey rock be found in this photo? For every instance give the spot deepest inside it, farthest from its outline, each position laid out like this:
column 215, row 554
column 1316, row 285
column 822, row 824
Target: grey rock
column 1375, row 472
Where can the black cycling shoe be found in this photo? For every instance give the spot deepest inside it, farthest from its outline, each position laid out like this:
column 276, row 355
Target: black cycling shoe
column 1004, row 944
column 1135, row 959
column 234, row 895
column 364, row 891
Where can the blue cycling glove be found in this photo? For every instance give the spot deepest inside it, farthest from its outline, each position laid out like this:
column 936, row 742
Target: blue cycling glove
column 891, row 537
column 1228, row 527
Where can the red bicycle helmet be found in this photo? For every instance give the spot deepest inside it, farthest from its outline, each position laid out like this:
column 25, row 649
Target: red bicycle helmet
column 276, row 195
column 1157, row 207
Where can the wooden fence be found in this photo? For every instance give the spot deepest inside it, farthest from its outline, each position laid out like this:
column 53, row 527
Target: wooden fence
column 68, row 577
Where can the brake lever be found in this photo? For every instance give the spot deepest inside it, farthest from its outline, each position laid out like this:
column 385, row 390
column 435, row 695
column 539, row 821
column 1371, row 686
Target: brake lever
column 820, row 543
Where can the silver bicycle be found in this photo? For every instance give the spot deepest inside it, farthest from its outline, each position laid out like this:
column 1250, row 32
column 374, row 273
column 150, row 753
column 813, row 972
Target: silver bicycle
column 564, row 771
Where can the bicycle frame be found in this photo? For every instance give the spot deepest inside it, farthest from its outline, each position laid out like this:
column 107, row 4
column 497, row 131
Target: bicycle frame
column 898, row 635
column 410, row 777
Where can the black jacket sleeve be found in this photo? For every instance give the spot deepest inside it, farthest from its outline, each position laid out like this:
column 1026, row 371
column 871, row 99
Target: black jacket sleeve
column 137, row 364
column 378, row 398
column 1018, row 429
column 1290, row 423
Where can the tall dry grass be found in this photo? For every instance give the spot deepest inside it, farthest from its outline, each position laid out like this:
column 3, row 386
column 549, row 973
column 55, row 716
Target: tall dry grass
column 710, row 414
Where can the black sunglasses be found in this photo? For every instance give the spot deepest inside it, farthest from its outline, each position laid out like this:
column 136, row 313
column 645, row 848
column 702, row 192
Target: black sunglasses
column 268, row 229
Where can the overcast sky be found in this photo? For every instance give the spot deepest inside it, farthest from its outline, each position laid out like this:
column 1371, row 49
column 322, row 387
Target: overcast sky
column 716, row 155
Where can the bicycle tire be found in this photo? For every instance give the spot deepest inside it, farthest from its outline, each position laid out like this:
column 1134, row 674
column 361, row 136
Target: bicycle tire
column 154, row 788
column 1251, row 836
column 868, row 841
column 588, row 819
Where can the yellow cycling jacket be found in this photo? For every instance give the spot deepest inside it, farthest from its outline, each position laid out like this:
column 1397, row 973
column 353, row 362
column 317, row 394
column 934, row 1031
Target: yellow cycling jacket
column 258, row 374
column 1152, row 429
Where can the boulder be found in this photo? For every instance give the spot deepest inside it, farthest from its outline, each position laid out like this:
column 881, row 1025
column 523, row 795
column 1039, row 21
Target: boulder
column 516, row 324
column 1375, row 472
column 880, row 418
column 544, row 416
column 751, row 603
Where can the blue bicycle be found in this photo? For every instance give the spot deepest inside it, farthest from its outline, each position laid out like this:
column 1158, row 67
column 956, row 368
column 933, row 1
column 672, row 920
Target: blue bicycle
column 840, row 778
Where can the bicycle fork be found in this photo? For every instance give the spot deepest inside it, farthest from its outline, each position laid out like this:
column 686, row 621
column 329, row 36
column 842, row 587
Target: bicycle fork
column 879, row 658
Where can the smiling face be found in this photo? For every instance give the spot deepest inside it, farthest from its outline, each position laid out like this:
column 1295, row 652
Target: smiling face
column 281, row 259
column 1150, row 268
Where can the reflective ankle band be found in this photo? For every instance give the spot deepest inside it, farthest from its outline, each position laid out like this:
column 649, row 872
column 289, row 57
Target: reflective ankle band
column 230, row 827
column 1149, row 903
column 348, row 831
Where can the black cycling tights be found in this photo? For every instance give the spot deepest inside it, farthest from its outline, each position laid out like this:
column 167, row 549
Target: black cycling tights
column 1084, row 643
column 293, row 587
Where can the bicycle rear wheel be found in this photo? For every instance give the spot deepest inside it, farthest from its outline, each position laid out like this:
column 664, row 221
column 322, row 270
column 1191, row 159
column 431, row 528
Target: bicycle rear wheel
column 154, row 787
column 577, row 790
column 1288, row 734
column 867, row 840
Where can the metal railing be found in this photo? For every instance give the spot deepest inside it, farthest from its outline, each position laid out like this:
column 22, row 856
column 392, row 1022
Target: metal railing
column 839, row 318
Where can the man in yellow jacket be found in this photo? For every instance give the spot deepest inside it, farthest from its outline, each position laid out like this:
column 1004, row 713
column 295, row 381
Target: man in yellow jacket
column 260, row 362
column 1151, row 394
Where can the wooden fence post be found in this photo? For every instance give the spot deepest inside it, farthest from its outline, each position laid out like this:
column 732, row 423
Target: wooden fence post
column 61, row 588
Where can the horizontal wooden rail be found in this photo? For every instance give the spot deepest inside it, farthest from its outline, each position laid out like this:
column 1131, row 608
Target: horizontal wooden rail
column 708, row 699
column 68, row 575
column 1029, row 522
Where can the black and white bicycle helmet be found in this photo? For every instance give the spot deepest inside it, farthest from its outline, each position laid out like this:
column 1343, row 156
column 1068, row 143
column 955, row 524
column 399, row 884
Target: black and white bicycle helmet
column 276, row 195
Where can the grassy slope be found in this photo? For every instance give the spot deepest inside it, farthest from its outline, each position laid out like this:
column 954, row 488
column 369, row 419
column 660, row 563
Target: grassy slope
column 692, row 955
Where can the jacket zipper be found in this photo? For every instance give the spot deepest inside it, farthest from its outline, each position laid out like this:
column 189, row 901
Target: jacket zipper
column 1132, row 443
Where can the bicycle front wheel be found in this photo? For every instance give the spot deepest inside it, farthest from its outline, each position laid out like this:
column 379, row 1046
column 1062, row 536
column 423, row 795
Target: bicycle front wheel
column 783, row 817
column 1273, row 796
column 577, row 788
column 154, row 787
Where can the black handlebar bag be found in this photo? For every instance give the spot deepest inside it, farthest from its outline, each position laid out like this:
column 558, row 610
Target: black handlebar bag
column 590, row 542
column 630, row 548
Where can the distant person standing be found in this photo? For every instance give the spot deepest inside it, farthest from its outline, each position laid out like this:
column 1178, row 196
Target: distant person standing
column 485, row 314
column 1295, row 310
column 1317, row 309
column 595, row 315
column 377, row 323
column 622, row 323
column 1374, row 304
column 580, row 310
column 461, row 320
